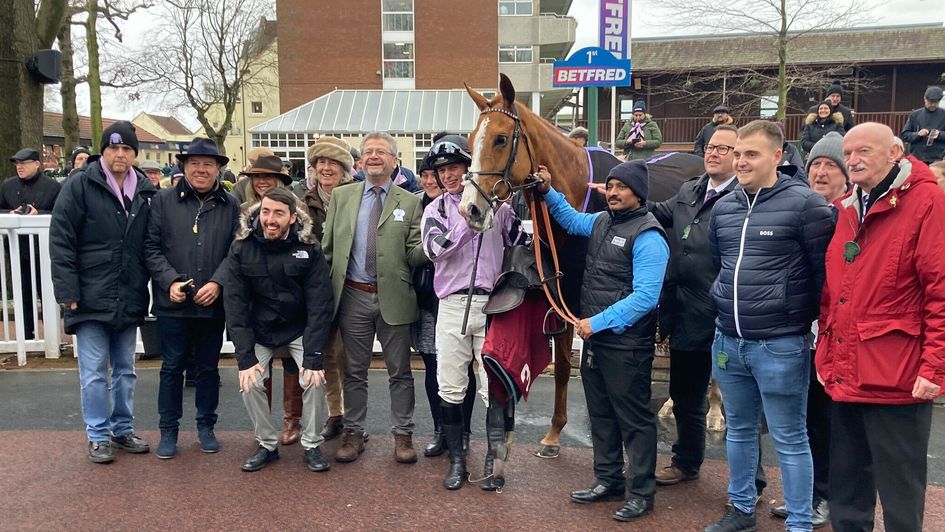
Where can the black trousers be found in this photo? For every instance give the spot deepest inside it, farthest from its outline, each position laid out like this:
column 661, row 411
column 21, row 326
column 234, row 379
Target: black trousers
column 617, row 390
column 818, row 432
column 879, row 448
column 689, row 373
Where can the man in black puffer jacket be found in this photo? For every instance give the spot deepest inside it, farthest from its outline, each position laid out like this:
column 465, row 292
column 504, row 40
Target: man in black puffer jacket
column 279, row 294
column 769, row 238
column 96, row 243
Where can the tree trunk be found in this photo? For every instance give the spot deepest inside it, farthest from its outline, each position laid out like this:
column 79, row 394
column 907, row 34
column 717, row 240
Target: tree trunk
column 70, row 116
column 95, row 82
column 782, row 65
column 25, row 30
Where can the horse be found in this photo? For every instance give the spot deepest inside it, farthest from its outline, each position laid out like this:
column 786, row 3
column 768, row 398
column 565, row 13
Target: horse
column 507, row 144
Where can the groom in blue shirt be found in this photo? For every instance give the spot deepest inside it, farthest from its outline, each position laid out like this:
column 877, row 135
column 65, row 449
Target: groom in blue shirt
column 626, row 262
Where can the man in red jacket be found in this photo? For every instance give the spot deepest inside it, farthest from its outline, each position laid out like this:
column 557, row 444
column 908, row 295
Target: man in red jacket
column 881, row 350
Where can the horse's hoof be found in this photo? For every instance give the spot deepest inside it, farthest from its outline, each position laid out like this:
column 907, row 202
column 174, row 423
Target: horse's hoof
column 548, row 451
column 667, row 410
column 715, row 422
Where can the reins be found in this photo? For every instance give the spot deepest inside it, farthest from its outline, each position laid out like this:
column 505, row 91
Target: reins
column 531, row 181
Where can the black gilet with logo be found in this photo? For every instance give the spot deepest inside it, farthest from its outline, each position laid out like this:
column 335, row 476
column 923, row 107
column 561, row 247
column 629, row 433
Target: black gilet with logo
column 609, row 275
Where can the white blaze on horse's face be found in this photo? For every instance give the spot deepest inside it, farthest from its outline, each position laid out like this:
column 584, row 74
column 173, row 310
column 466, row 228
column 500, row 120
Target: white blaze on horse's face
column 473, row 206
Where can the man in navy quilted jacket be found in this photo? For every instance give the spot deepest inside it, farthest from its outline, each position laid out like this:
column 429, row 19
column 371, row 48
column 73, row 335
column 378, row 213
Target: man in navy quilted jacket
column 768, row 237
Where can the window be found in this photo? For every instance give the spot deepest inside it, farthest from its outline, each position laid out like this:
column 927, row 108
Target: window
column 515, row 54
column 515, row 7
column 769, row 105
column 397, row 15
column 147, row 155
column 256, row 108
column 398, row 60
column 422, row 142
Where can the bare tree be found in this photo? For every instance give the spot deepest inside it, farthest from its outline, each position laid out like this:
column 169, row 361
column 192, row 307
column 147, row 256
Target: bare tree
column 28, row 26
column 776, row 25
column 204, row 54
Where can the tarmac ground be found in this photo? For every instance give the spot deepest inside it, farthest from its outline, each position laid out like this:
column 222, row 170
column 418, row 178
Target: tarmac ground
column 47, row 481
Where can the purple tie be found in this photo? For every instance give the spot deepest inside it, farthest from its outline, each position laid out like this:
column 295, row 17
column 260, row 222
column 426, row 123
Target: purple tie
column 370, row 259
column 709, row 194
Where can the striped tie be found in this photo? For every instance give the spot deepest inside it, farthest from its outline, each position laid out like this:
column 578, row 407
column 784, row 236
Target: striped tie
column 370, row 258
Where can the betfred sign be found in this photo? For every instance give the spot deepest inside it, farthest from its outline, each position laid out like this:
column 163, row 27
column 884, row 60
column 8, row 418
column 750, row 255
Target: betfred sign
column 591, row 67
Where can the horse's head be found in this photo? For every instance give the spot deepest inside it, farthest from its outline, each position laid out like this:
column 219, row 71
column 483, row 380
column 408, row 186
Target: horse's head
column 500, row 156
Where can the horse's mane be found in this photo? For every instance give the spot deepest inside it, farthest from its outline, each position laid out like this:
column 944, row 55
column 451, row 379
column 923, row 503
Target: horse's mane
column 566, row 161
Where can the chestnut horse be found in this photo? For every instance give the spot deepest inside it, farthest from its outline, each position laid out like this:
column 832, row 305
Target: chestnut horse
column 508, row 143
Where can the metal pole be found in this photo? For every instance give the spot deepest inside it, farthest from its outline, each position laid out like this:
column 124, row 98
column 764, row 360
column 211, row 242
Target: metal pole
column 613, row 118
column 592, row 116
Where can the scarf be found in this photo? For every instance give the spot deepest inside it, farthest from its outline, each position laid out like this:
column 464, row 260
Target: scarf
column 322, row 195
column 636, row 134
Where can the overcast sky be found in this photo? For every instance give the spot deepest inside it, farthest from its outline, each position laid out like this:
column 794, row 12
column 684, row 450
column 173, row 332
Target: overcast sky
column 646, row 23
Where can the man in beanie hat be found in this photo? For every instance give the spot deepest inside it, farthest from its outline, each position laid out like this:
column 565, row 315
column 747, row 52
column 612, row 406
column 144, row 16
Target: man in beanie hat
column 828, row 176
column 720, row 116
column 189, row 234
column 834, row 96
column 923, row 130
column 330, row 164
column 639, row 138
column 768, row 237
column 627, row 259
column 79, row 156
column 31, row 192
column 96, row 240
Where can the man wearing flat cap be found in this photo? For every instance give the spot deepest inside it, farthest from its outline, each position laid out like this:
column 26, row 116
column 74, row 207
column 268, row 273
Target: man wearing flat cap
column 720, row 115
column 923, row 130
column 627, row 259
column 32, row 192
column 153, row 171
column 331, row 164
column 96, row 242
column 189, row 235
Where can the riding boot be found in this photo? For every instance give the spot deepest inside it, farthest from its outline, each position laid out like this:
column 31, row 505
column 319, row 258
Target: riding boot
column 453, row 433
column 292, row 407
column 436, row 445
column 494, row 466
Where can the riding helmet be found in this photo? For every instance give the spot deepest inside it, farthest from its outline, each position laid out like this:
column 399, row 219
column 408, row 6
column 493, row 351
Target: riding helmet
column 448, row 150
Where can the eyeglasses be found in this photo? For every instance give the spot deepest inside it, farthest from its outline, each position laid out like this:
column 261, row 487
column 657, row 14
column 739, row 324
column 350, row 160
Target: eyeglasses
column 378, row 152
column 449, row 147
column 721, row 148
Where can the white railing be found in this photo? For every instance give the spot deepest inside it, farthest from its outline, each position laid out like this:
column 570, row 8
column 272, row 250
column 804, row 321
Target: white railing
column 35, row 229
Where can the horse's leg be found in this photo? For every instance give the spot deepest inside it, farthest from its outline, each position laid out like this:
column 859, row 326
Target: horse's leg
column 714, row 420
column 551, row 443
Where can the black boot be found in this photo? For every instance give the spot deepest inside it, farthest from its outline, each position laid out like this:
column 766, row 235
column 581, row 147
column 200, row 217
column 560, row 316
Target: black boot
column 436, row 445
column 466, row 442
column 453, row 433
column 493, row 468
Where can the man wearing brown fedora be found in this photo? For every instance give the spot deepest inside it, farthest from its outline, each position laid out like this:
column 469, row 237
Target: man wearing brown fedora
column 189, row 235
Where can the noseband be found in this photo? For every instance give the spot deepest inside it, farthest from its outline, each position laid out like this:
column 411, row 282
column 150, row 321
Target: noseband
column 531, row 181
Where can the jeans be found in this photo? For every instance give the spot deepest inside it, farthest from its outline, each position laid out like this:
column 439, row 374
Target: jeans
column 771, row 376
column 98, row 345
column 182, row 338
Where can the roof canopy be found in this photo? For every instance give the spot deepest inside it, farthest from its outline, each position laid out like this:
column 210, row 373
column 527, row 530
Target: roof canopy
column 357, row 112
column 891, row 44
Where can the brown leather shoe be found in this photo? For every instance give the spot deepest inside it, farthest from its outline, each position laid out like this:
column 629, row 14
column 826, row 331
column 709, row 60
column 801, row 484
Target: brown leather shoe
column 403, row 449
column 291, row 432
column 352, row 445
column 670, row 475
column 334, row 426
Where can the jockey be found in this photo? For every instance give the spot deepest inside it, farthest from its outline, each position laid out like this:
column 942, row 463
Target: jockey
column 452, row 246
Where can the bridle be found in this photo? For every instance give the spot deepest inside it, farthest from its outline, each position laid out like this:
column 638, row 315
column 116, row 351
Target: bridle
column 531, row 179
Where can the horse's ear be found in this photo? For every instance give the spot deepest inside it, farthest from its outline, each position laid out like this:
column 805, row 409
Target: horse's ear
column 507, row 90
column 480, row 100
